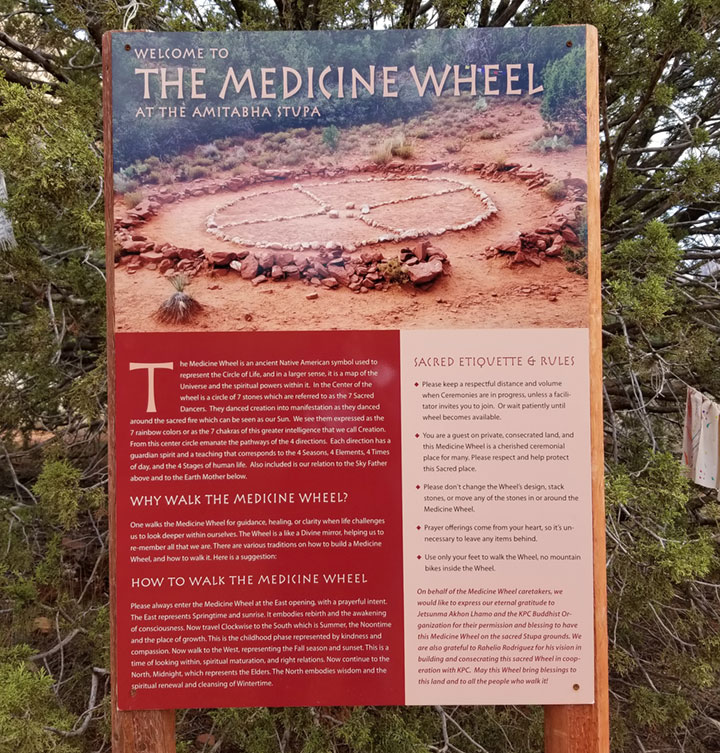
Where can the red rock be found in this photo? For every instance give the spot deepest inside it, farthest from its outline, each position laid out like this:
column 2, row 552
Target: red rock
column 164, row 265
column 329, row 282
column 276, row 174
column 189, row 253
column 259, row 279
column 312, row 296
column 569, row 235
column 424, row 272
column 319, row 270
column 132, row 247
column 249, row 267
column 430, row 165
column 283, row 258
column 370, row 257
column 277, row 273
column 151, row 257
column 221, row 258
column 421, row 250
column 557, row 247
column 139, row 237
column 266, row 259
column 339, row 273
column 512, row 247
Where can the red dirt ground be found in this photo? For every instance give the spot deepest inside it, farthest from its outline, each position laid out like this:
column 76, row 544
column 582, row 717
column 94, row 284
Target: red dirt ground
column 479, row 293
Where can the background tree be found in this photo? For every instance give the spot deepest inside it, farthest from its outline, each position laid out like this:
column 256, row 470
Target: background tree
column 660, row 196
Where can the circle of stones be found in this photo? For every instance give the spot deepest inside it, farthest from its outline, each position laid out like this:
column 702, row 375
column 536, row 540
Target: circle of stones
column 391, row 233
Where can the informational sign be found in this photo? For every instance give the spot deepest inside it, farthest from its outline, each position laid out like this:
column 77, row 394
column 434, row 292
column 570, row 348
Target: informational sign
column 350, row 318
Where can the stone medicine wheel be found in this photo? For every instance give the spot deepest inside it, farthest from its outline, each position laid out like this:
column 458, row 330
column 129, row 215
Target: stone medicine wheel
column 349, row 213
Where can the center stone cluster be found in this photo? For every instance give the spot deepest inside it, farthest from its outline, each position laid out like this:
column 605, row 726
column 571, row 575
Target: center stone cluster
column 245, row 221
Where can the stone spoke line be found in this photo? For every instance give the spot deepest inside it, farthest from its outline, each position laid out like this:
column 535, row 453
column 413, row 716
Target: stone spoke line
column 393, row 233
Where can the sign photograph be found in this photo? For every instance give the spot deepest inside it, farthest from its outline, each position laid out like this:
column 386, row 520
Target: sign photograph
column 353, row 315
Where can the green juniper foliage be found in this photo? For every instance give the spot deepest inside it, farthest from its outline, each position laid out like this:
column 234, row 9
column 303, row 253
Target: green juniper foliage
column 660, row 119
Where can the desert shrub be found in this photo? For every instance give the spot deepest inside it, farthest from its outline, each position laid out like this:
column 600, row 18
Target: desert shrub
column 133, row 198
column 422, row 134
column 233, row 158
column 124, row 184
column 278, row 138
column 331, row 137
column 223, row 144
column 154, row 177
column 300, row 133
column 481, row 104
column 393, row 271
column 399, row 147
column 153, row 161
column 552, row 144
column 382, row 155
column 294, row 157
column 404, row 151
column 488, row 134
column 260, row 162
column 197, row 171
column 208, row 151
column 556, row 190
column 454, row 147
column 203, row 162
column 575, row 259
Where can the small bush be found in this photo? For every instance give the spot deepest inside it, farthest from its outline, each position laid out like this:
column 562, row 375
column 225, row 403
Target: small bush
column 454, row 147
column 197, row 171
column 203, row 162
column 331, row 137
column 123, row 184
column 233, row 158
column 208, row 151
column 488, row 134
column 399, row 147
column 575, row 259
column 554, row 144
column 392, row 270
column 278, row 138
column 133, row 198
column 382, row 155
column 224, row 144
column 481, row 104
column 556, row 191
column 403, row 151
column 293, row 158
column 154, row 177
column 422, row 134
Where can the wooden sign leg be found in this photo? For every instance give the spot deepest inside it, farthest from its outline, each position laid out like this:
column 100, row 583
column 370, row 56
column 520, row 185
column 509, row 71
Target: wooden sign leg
column 143, row 732
column 586, row 729
column 132, row 731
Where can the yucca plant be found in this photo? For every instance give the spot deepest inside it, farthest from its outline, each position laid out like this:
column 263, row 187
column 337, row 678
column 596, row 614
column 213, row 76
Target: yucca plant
column 179, row 307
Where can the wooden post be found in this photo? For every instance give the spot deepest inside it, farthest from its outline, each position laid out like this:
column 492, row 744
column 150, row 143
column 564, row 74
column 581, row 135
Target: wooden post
column 132, row 731
column 586, row 728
